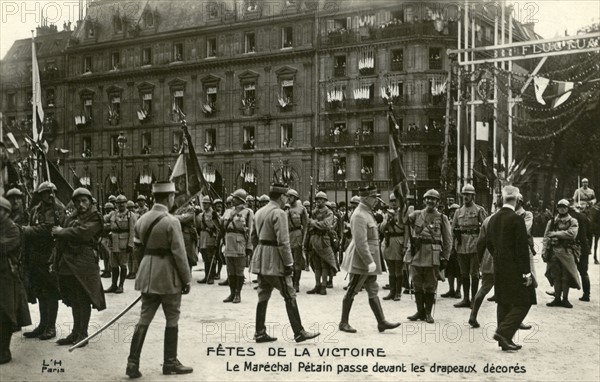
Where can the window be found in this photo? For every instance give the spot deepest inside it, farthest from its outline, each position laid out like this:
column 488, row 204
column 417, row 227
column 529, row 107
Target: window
column 178, row 101
column 147, row 56
column 249, row 141
column 118, row 23
column 91, row 32
column 337, row 26
column 148, row 19
column 177, row 141
column 339, row 66
column 210, row 140
column 251, row 5
column 250, row 43
column 397, row 60
column 147, row 102
column 339, row 168
column 86, row 147
column 211, row 96
column 87, row 109
column 249, row 98
column 114, row 110
column 435, row 58
column 87, row 64
column 287, row 136
column 178, row 52
column 286, row 37
column 211, row 47
column 212, row 10
column 115, row 61
column 287, row 91
column 366, row 168
column 146, row 143
column 50, row 97
column 11, row 100
column 337, row 132
column 366, row 128
column 114, row 147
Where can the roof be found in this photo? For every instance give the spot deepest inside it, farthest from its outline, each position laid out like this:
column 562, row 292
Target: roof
column 47, row 45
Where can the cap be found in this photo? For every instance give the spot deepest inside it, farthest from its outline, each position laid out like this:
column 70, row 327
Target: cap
column 121, row 199
column 468, row 189
column 263, row 198
column 130, row 204
column 82, row 192
column 563, row 202
column 292, row 192
column 109, row 206
column 355, row 199
column 205, row 199
column 241, row 195
column 164, row 187
column 321, row 195
column 141, row 197
column 280, row 188
column 369, row 191
column 510, row 192
column 432, row 194
column 4, row 203
column 14, row 192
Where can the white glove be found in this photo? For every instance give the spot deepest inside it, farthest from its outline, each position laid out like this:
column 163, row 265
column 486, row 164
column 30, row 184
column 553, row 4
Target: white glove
column 372, row 267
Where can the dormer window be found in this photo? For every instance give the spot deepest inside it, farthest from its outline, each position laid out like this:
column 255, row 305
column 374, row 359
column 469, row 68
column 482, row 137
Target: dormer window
column 148, row 19
column 87, row 64
column 118, row 23
column 251, row 5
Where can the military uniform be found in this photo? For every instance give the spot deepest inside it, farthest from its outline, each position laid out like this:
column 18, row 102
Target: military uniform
column 122, row 224
column 487, row 273
column 322, row 258
column 395, row 233
column 209, row 233
column 187, row 218
column 585, row 197
column 163, row 276
column 297, row 223
column 106, row 240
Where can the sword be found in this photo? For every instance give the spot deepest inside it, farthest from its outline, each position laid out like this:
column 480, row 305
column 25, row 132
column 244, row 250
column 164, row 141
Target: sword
column 109, row 323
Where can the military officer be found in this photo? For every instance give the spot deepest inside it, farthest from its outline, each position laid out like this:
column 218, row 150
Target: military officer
column 273, row 263
column 164, row 275
column 433, row 241
column 78, row 271
column 122, row 223
column 297, row 223
column 40, row 247
column 466, row 225
column 453, row 269
column 209, row 232
column 395, row 233
column 106, row 241
column 584, row 195
column 318, row 243
column 18, row 214
column 237, row 223
column 263, row 200
column 142, row 208
column 363, row 261
column 14, row 311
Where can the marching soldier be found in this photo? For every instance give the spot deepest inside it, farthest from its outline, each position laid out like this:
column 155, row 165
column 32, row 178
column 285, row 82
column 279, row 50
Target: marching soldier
column 142, row 208
column 14, row 311
column 163, row 276
column 318, row 243
column 106, row 241
column 122, row 224
column 237, row 223
column 78, row 271
column 209, row 232
column 297, row 223
column 466, row 225
column 395, row 234
column 363, row 261
column 263, row 200
column 40, row 247
column 453, row 269
column 584, row 195
column 432, row 241
column 273, row 263
column 18, row 214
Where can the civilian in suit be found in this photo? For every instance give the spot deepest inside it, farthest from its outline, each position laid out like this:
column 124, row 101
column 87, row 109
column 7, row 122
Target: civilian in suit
column 515, row 291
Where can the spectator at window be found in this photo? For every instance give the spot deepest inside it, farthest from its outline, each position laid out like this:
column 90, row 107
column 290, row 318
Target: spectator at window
column 146, row 150
column 285, row 143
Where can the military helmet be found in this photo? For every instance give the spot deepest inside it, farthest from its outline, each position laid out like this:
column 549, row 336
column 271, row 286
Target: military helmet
column 249, row 198
column 94, row 201
column 306, row 203
column 217, row 201
column 264, row 198
column 332, row 204
column 109, row 206
column 229, row 199
column 14, row 192
column 82, row 192
column 141, row 197
column 241, row 195
column 321, row 195
column 432, row 194
column 355, row 199
column 205, row 199
column 130, row 204
column 4, row 203
column 292, row 192
column 121, row 199
column 454, row 207
column 392, row 196
column 468, row 189
column 112, row 198
column 46, row 186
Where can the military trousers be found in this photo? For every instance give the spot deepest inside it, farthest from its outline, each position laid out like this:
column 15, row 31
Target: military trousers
column 357, row 281
column 469, row 264
column 283, row 284
column 170, row 304
column 424, row 279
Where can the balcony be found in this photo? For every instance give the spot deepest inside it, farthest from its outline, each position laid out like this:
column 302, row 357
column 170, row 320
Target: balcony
column 424, row 137
column 352, row 140
column 339, row 72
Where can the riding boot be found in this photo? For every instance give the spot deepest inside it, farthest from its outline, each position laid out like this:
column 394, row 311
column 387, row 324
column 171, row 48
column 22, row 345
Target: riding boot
column 261, row 331
column 429, row 301
column 122, row 277
column 171, row 364
column 5, row 337
column 300, row 335
column 565, row 294
column 35, row 333
column 344, row 326
column 68, row 340
column 115, row 279
column 419, row 300
column 237, row 297
column 450, row 292
column 317, row 287
column 477, row 301
column 51, row 313
column 398, row 295
column 296, row 279
column 232, row 287
column 382, row 323
column 466, row 302
column 474, row 287
column 557, row 294
column 392, row 293
column 585, row 285
column 137, row 343
column 106, row 272
column 224, row 282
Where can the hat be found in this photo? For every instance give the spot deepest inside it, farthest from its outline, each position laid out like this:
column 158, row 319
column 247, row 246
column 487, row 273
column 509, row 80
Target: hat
column 368, row 191
column 306, row 203
column 392, row 197
column 229, row 199
column 355, row 199
column 46, row 186
column 563, row 202
column 321, row 195
column 468, row 189
column 263, row 198
column 112, row 198
column 241, row 195
column 14, row 192
column 217, row 201
column 432, row 194
column 130, row 204
column 82, row 192
column 584, row 180
column 164, row 187
column 454, row 207
column 4, row 203
column 121, row 199
column 249, row 198
column 141, row 197
column 510, row 192
column 109, row 206
column 292, row 192
column 205, row 199
column 280, row 188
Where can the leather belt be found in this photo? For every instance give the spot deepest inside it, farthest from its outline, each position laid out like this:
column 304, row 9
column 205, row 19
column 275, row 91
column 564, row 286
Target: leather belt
column 430, row 241
column 395, row 234
column 268, row 243
column 162, row 252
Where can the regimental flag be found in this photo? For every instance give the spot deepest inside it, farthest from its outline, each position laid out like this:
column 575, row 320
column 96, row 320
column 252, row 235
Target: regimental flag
column 36, row 84
column 64, row 191
column 396, row 168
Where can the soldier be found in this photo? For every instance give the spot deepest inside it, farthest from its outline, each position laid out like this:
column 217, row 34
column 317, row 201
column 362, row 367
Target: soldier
column 164, row 275
column 263, row 200
column 584, row 239
column 336, row 234
column 40, row 247
column 560, row 253
column 78, row 271
column 187, row 217
column 18, row 214
column 132, row 266
column 297, row 223
column 466, row 225
column 306, row 205
column 209, row 232
column 433, row 241
column 106, row 241
column 395, row 233
column 584, row 195
column 14, row 311
column 363, row 261
column 142, row 208
column 318, row 243
column 220, row 259
column 250, row 202
column 453, row 269
column 273, row 263
column 122, row 223
column 237, row 223
column 131, row 207
column 487, row 273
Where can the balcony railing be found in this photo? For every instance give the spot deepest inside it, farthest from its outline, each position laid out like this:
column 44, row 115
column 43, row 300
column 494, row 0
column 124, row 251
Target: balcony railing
column 339, row 72
column 379, row 139
column 431, row 137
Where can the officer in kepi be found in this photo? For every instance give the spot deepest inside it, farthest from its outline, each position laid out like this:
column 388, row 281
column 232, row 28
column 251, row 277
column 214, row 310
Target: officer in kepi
column 274, row 264
column 163, row 276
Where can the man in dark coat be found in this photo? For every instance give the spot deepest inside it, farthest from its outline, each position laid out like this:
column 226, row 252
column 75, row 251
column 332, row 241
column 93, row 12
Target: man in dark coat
column 77, row 265
column 14, row 311
column 584, row 239
column 515, row 287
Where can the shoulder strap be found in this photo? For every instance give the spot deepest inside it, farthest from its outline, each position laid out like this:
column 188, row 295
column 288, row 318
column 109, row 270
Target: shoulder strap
column 151, row 227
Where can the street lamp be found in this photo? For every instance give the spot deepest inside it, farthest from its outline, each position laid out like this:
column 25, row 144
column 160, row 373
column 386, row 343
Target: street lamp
column 121, row 141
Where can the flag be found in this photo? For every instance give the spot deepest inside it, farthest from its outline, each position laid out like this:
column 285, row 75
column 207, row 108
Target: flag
column 36, row 84
column 12, row 139
column 540, row 84
column 396, row 168
column 565, row 89
column 64, row 191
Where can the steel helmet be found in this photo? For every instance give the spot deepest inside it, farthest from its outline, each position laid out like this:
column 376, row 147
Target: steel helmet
column 355, row 199
column 130, row 204
column 264, row 198
column 141, row 197
column 112, row 198
column 14, row 192
column 294, row 193
column 392, row 196
column 82, row 192
column 4, row 203
column 205, row 199
column 94, row 201
column 46, row 186
column 217, row 201
column 454, row 207
column 468, row 189
column 432, row 194
column 249, row 198
column 229, row 199
column 121, row 199
column 306, row 203
column 321, row 195
column 241, row 195
column 109, row 206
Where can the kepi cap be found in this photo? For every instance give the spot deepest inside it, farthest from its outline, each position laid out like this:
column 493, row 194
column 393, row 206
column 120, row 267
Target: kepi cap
column 163, row 187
